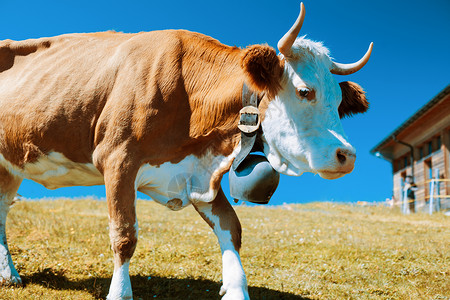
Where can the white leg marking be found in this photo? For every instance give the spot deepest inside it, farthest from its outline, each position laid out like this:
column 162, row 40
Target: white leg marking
column 120, row 287
column 8, row 273
column 234, row 279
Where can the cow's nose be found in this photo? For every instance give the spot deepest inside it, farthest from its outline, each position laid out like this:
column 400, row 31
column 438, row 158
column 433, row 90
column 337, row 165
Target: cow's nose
column 346, row 159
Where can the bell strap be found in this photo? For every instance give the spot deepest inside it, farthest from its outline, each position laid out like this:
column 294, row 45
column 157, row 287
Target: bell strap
column 249, row 124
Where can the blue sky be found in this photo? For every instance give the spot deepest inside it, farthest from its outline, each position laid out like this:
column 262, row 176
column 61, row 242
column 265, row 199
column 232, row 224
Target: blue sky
column 410, row 62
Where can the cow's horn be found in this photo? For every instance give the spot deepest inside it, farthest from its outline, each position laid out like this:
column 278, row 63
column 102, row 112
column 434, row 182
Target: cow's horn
column 346, row 69
column 286, row 42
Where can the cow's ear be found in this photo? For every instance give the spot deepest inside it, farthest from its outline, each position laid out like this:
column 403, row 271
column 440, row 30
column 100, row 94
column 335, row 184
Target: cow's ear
column 354, row 99
column 263, row 69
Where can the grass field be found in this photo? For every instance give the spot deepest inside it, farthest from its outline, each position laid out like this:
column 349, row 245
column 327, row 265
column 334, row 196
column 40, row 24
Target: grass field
column 313, row 251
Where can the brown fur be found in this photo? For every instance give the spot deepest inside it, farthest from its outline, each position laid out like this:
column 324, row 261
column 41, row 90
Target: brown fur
column 263, row 69
column 353, row 99
column 228, row 218
column 120, row 194
column 168, row 94
column 229, row 221
column 52, row 96
column 9, row 184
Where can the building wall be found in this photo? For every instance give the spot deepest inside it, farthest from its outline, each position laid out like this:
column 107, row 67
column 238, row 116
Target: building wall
column 428, row 132
column 429, row 155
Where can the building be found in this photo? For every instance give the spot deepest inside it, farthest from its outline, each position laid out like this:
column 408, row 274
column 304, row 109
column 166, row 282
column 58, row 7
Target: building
column 420, row 147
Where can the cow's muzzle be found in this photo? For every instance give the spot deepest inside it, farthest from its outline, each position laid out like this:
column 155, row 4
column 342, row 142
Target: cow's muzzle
column 344, row 162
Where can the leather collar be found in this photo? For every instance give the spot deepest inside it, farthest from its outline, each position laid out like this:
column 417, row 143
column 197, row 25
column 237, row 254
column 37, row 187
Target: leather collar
column 249, row 124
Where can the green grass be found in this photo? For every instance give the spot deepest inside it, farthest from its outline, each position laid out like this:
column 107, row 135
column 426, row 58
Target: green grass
column 314, row 251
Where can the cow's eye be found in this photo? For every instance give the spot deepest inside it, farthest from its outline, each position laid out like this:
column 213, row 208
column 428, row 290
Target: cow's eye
column 305, row 93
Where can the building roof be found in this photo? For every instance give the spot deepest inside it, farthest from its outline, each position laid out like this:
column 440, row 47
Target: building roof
column 414, row 117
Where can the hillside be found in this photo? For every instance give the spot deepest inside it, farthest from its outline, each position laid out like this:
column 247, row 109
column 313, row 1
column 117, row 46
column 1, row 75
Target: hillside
column 312, row 251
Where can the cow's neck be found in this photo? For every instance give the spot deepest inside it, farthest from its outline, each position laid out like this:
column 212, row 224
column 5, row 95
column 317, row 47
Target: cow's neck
column 214, row 79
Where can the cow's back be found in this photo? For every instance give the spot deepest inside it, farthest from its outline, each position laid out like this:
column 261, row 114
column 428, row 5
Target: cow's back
column 71, row 93
column 51, row 92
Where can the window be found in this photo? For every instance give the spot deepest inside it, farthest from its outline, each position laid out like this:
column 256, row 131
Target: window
column 400, row 164
column 438, row 143
column 428, row 169
column 431, row 146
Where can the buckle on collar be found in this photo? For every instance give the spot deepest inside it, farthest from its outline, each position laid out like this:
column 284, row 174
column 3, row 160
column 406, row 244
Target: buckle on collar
column 250, row 119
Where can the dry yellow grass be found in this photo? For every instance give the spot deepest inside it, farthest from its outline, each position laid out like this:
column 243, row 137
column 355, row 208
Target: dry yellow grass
column 314, row 251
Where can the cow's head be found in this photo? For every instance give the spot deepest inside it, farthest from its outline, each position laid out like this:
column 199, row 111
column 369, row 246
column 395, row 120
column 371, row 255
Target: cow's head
column 302, row 131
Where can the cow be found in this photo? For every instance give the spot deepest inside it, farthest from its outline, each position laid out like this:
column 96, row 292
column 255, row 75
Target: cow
column 157, row 112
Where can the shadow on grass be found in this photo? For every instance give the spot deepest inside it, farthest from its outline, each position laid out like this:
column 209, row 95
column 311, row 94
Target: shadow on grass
column 149, row 287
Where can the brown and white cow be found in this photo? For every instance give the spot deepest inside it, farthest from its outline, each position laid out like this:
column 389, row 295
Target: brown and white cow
column 157, row 112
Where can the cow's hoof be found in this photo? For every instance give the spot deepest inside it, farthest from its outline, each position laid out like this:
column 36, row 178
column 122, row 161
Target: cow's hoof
column 117, row 297
column 10, row 280
column 234, row 294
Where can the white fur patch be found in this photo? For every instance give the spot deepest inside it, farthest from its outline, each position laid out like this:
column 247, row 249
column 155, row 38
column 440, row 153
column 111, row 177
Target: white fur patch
column 120, row 287
column 234, row 279
column 189, row 180
column 304, row 135
column 306, row 49
column 55, row 170
column 8, row 273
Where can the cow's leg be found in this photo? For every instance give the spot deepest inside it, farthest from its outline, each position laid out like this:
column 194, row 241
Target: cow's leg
column 119, row 177
column 9, row 185
column 220, row 215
